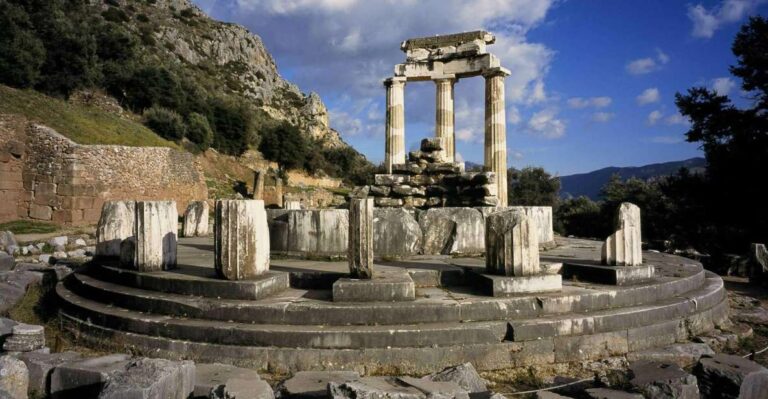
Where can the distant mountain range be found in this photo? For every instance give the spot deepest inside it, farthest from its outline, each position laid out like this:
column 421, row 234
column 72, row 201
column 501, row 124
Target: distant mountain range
column 589, row 184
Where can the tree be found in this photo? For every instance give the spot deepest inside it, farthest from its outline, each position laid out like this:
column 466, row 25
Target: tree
column 532, row 187
column 285, row 145
column 735, row 143
column 646, row 194
column 579, row 217
column 199, row 131
column 21, row 52
column 165, row 122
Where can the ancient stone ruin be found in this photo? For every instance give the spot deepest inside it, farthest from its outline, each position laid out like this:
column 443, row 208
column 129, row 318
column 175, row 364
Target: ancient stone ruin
column 241, row 239
column 195, row 219
column 444, row 60
column 624, row 246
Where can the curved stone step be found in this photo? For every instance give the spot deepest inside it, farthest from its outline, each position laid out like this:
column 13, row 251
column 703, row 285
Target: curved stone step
column 394, row 360
column 280, row 335
column 403, row 335
column 297, row 307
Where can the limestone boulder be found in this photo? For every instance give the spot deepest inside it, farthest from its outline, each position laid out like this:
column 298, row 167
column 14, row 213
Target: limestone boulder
column 41, row 365
column 663, row 381
column 8, row 242
column 313, row 384
column 86, row 378
column 6, row 262
column 396, row 233
column 373, row 387
column 151, row 379
column 624, row 246
column 115, row 225
column 14, row 378
column 224, row 381
column 727, row 376
column 241, row 239
column 469, row 237
column 464, row 375
column 196, row 219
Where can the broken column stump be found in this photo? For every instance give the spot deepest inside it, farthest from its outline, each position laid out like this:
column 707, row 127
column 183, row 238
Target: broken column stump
column 195, row 220
column 241, row 238
column 155, row 235
column 365, row 285
column 115, row 225
column 512, row 263
column 621, row 254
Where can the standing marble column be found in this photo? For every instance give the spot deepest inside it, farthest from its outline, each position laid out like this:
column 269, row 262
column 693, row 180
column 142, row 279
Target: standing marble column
column 395, row 128
column 496, row 129
column 360, row 246
column 241, row 239
column 156, row 235
column 511, row 244
column 625, row 246
column 445, row 119
column 258, row 184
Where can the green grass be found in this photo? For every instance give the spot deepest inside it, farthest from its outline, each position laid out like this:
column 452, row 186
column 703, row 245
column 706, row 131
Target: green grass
column 82, row 124
column 28, row 227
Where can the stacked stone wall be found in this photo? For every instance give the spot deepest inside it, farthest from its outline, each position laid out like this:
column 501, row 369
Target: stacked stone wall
column 67, row 183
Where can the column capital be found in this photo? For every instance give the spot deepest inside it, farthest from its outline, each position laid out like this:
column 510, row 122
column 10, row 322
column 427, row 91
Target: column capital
column 499, row 71
column 443, row 78
column 395, row 81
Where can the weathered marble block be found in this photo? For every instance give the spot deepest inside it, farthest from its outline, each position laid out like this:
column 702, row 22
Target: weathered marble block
column 511, row 244
column 360, row 248
column 195, row 219
column 292, row 204
column 624, row 246
column 156, row 235
column 115, row 225
column 241, row 239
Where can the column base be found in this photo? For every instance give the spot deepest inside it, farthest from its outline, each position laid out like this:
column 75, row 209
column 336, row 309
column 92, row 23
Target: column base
column 610, row 275
column 502, row 286
column 383, row 287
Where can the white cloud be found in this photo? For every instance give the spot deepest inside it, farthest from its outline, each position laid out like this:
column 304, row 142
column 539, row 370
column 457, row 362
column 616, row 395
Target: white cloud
column 654, row 117
column 546, row 124
column 646, row 65
column 468, row 135
column 601, row 117
column 677, row 119
column 707, row 21
column 581, row 102
column 723, row 86
column 515, row 155
column 648, row 96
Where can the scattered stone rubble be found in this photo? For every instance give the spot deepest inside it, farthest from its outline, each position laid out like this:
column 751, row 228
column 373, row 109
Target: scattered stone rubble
column 428, row 180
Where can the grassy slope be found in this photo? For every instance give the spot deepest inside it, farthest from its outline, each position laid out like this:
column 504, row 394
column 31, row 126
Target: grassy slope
column 82, row 124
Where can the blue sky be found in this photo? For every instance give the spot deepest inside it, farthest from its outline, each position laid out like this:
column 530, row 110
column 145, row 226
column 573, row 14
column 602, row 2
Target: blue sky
column 592, row 82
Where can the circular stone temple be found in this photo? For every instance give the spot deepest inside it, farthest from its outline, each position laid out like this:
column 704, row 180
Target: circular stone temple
column 428, row 269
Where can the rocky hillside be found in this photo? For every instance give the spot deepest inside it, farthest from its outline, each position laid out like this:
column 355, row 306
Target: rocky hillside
column 220, row 56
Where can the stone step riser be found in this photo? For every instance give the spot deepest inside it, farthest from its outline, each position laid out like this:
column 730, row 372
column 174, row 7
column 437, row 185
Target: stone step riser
column 272, row 335
column 705, row 298
column 409, row 360
column 309, row 313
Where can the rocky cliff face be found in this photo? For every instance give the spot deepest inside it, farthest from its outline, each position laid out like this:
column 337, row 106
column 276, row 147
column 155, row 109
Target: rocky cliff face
column 234, row 58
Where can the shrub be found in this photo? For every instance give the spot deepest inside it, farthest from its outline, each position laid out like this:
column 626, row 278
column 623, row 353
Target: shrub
column 285, row 145
column 21, row 52
column 168, row 124
column 115, row 15
column 232, row 124
column 199, row 131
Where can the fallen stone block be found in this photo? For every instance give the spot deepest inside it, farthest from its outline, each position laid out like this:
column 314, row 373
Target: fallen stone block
column 25, row 338
column 723, row 375
column 373, row 388
column 6, row 262
column 221, row 381
column 313, row 384
column 464, row 375
column 662, row 380
column 58, row 241
column 85, row 378
column 396, row 233
column 439, row 236
column 436, row 389
column 14, row 378
column 6, row 327
column 683, row 355
column 151, row 379
column 605, row 393
column 40, row 366
column 469, row 237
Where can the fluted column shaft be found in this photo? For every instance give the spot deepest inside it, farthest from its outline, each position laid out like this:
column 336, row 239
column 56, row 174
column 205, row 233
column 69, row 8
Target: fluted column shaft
column 395, row 128
column 496, row 130
column 445, row 119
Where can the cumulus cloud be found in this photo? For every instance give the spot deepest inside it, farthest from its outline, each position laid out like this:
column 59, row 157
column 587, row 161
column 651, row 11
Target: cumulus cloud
column 546, row 124
column 646, row 65
column 596, row 102
column 601, row 117
column 648, row 96
column 723, row 86
column 347, row 47
column 654, row 117
column 677, row 119
column 707, row 21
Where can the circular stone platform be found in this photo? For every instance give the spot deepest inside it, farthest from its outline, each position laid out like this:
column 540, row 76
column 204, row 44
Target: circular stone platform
column 189, row 313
